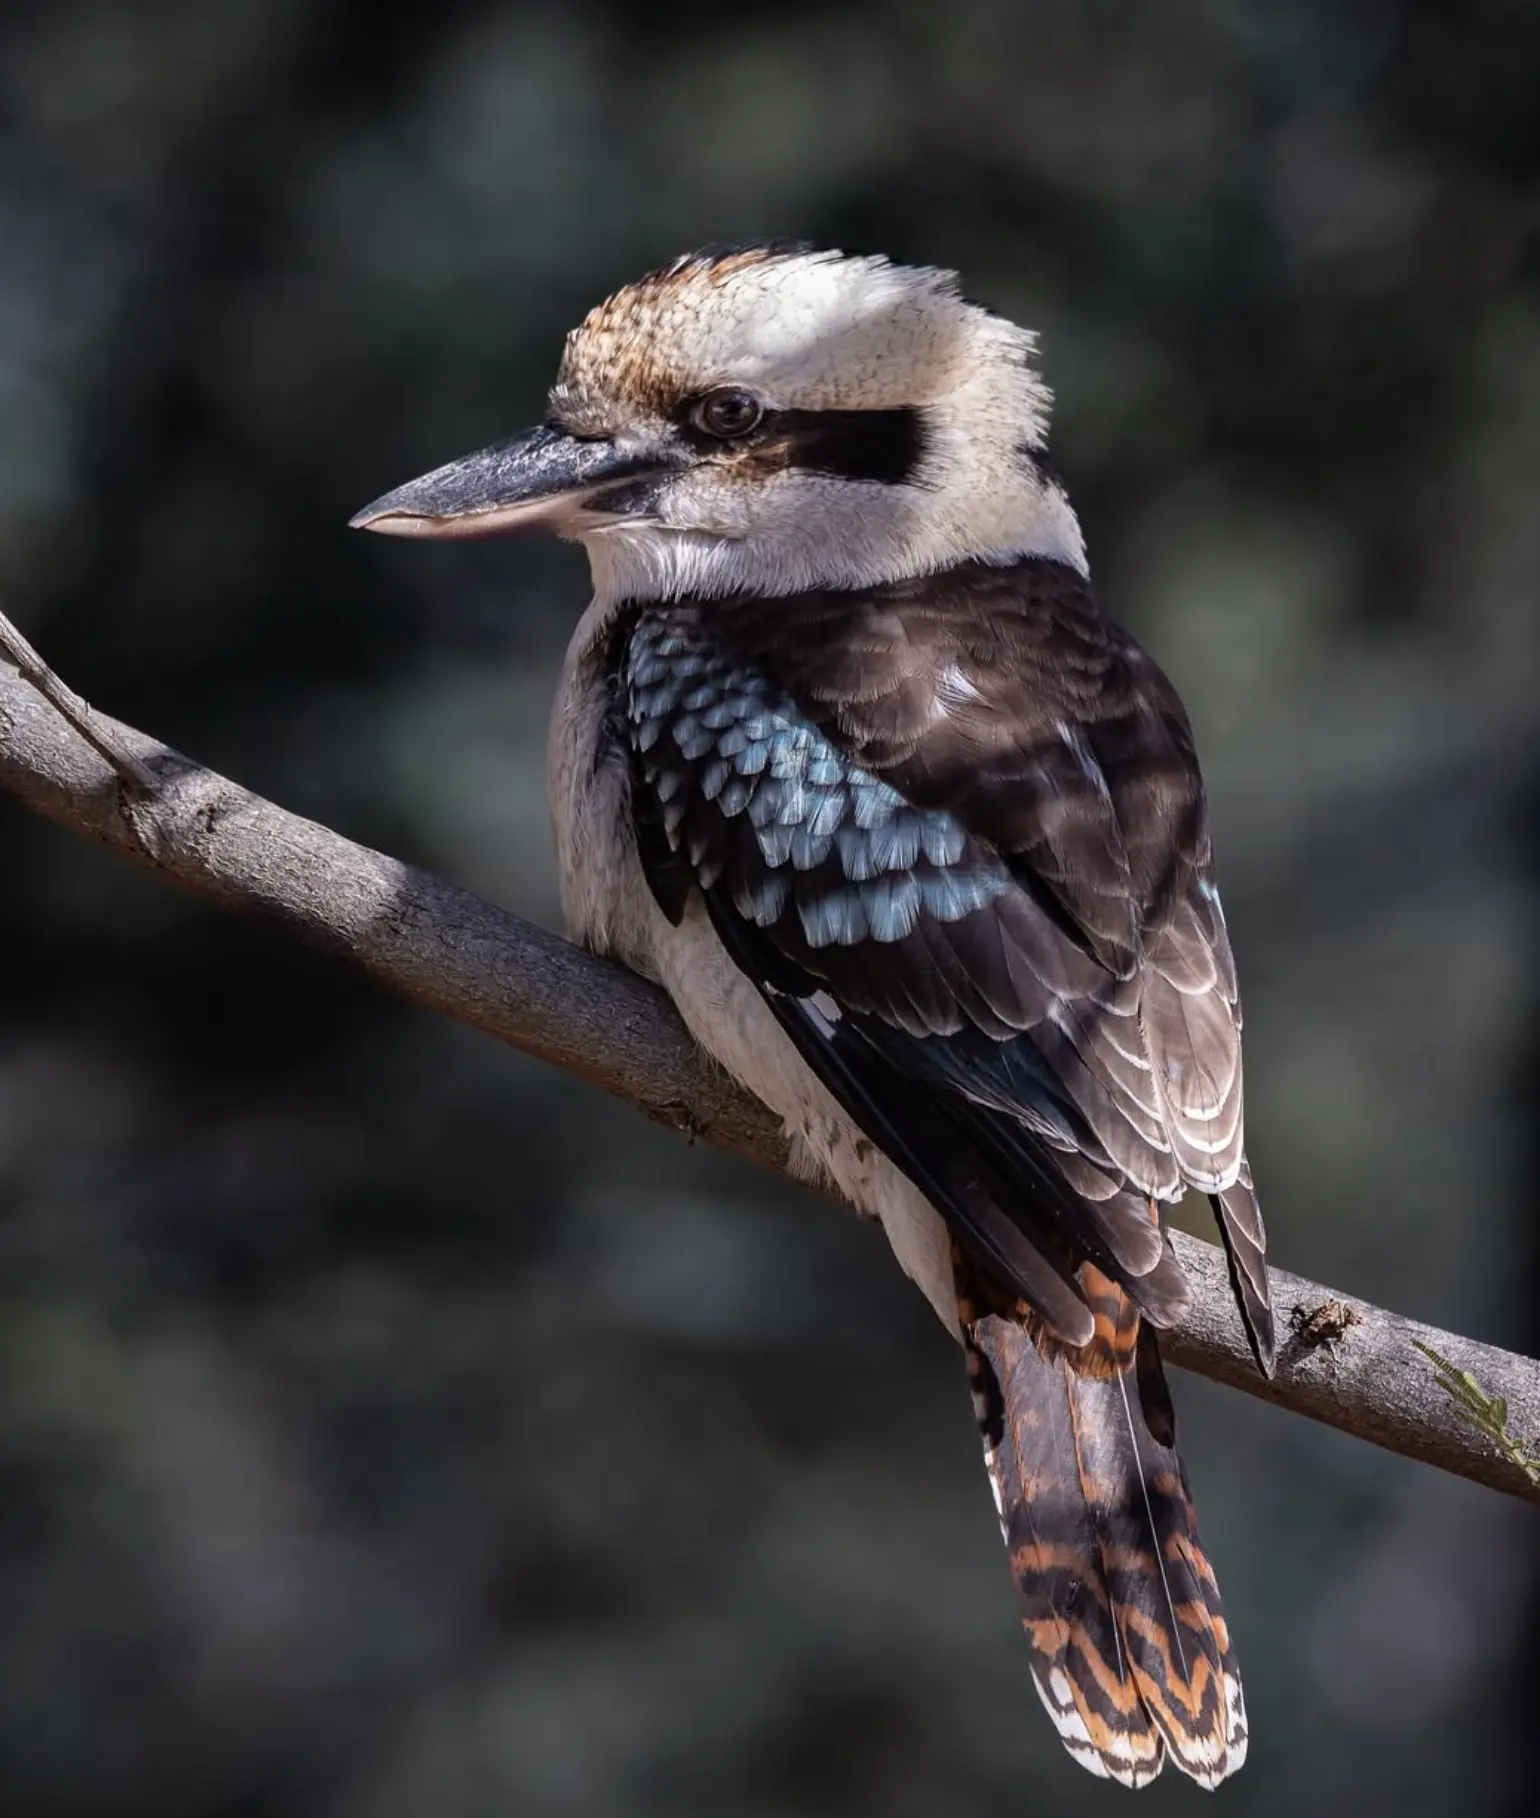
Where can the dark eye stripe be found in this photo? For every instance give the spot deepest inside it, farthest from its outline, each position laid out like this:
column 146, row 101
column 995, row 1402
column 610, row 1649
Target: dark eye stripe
column 883, row 445
column 887, row 446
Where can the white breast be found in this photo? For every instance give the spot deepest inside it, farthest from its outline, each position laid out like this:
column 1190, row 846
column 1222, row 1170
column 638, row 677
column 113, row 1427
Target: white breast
column 610, row 909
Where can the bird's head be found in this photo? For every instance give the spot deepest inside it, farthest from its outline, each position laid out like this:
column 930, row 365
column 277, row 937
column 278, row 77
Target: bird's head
column 771, row 419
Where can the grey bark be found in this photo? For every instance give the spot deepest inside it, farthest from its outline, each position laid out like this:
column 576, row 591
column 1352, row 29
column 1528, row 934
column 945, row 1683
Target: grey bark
column 1344, row 1361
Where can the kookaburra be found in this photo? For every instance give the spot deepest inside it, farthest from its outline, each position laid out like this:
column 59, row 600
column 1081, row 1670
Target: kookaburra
column 846, row 756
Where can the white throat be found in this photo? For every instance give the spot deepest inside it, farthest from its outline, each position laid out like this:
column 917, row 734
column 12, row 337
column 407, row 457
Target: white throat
column 820, row 532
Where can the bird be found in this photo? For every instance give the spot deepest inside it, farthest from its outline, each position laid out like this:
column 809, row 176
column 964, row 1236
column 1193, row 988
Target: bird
column 847, row 757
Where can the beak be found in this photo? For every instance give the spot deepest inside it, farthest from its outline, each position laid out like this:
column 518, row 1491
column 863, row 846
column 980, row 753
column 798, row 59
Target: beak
column 544, row 479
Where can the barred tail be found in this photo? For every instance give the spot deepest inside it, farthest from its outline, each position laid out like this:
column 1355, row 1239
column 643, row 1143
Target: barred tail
column 1130, row 1651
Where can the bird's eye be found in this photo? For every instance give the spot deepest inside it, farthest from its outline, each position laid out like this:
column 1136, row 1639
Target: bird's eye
column 728, row 412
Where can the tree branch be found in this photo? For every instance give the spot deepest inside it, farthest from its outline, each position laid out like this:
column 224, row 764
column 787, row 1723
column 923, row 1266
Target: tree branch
column 1345, row 1362
column 64, row 700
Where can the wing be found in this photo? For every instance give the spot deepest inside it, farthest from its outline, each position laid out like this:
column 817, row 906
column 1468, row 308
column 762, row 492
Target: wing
column 954, row 829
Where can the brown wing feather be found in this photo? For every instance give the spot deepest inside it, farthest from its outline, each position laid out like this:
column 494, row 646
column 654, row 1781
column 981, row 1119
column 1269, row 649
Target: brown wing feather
column 1006, row 698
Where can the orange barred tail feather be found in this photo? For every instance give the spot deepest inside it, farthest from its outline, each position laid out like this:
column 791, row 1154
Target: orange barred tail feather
column 1130, row 1651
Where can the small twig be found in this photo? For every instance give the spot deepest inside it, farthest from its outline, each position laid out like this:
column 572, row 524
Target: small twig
column 79, row 713
column 1488, row 1414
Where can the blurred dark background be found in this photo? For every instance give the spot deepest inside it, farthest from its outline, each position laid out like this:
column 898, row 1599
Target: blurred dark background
column 391, row 1428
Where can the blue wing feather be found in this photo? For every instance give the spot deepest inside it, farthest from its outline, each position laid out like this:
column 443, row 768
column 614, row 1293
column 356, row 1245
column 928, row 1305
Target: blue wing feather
column 803, row 879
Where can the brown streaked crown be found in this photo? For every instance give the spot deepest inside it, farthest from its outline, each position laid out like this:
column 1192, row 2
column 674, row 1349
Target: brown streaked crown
column 815, row 330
